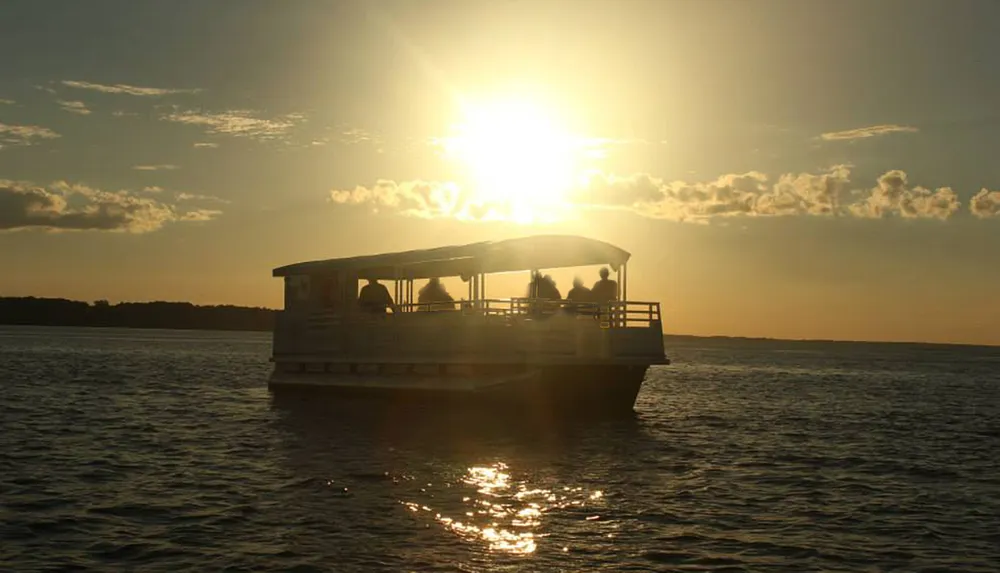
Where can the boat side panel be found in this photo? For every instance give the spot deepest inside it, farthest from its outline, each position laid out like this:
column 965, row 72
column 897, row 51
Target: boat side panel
column 445, row 336
column 539, row 392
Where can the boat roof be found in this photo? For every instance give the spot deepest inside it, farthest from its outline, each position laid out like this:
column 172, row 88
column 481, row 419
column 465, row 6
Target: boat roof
column 520, row 254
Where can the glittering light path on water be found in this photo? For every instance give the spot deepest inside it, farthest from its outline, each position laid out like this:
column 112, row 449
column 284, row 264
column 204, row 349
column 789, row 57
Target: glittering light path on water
column 503, row 515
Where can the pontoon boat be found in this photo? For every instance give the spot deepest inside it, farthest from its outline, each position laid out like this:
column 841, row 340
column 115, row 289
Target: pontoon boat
column 519, row 352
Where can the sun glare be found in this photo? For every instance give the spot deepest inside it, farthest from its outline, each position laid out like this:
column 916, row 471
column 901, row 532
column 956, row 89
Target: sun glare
column 518, row 159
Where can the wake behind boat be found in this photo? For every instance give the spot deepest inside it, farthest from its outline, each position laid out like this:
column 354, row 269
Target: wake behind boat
column 535, row 352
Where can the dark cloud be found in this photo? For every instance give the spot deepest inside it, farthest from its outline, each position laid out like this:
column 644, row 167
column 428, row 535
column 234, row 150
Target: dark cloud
column 63, row 206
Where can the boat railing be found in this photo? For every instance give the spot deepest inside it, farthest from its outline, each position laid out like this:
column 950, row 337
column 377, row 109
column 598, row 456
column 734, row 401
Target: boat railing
column 616, row 314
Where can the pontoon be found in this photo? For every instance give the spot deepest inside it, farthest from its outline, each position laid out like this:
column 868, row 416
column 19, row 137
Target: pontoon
column 520, row 352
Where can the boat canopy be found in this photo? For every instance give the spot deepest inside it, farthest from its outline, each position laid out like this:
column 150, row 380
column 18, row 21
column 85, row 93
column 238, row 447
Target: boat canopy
column 520, row 254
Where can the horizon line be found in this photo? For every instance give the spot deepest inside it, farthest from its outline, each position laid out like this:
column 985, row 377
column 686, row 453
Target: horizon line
column 665, row 333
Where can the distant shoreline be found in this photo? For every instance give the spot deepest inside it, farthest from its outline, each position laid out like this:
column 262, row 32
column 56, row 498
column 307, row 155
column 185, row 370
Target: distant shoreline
column 34, row 311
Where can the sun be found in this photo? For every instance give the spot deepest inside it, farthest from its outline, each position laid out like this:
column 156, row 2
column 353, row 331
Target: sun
column 519, row 160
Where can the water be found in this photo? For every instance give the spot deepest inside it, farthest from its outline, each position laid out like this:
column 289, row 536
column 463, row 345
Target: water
column 163, row 451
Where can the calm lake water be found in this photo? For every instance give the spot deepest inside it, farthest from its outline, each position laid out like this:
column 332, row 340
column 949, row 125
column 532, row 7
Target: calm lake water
column 163, row 451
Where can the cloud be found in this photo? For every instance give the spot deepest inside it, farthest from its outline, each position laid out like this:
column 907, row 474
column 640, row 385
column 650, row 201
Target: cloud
column 201, row 215
column 985, row 204
column 74, row 107
column 893, row 194
column 126, row 89
column 428, row 199
column 752, row 194
column 240, row 123
column 16, row 135
column 749, row 194
column 205, row 145
column 870, row 131
column 71, row 207
column 183, row 196
column 356, row 135
column 163, row 167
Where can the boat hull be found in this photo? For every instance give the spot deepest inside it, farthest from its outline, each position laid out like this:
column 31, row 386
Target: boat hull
column 538, row 391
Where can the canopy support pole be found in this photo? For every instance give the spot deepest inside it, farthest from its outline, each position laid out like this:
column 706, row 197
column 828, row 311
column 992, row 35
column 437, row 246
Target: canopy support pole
column 397, row 286
column 625, row 281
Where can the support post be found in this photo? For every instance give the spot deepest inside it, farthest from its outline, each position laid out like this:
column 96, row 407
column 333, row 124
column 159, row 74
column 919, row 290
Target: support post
column 624, row 282
column 397, row 286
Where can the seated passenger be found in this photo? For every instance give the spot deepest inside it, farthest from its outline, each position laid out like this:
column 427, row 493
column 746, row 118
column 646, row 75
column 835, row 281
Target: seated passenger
column 578, row 294
column 543, row 288
column 375, row 298
column 548, row 289
column 604, row 290
column 533, row 285
column 433, row 296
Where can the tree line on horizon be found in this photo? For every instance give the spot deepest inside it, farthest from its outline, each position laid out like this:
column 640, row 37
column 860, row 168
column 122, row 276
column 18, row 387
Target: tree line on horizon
column 33, row 311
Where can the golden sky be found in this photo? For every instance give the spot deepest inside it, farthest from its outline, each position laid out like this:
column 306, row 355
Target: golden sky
column 822, row 169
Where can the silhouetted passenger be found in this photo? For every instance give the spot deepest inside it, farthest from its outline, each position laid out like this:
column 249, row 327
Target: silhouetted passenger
column 543, row 287
column 533, row 285
column 433, row 296
column 604, row 290
column 579, row 295
column 549, row 289
column 375, row 298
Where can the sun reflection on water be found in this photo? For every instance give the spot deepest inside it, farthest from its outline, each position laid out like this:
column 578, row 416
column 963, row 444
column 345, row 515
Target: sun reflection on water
column 507, row 515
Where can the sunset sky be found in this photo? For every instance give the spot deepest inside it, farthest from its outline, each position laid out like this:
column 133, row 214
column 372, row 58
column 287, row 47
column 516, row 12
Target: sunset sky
column 793, row 169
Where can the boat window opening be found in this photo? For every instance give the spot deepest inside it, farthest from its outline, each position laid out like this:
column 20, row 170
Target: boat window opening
column 374, row 296
column 327, row 292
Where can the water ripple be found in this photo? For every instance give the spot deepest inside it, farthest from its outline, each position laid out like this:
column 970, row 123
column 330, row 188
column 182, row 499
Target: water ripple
column 160, row 450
